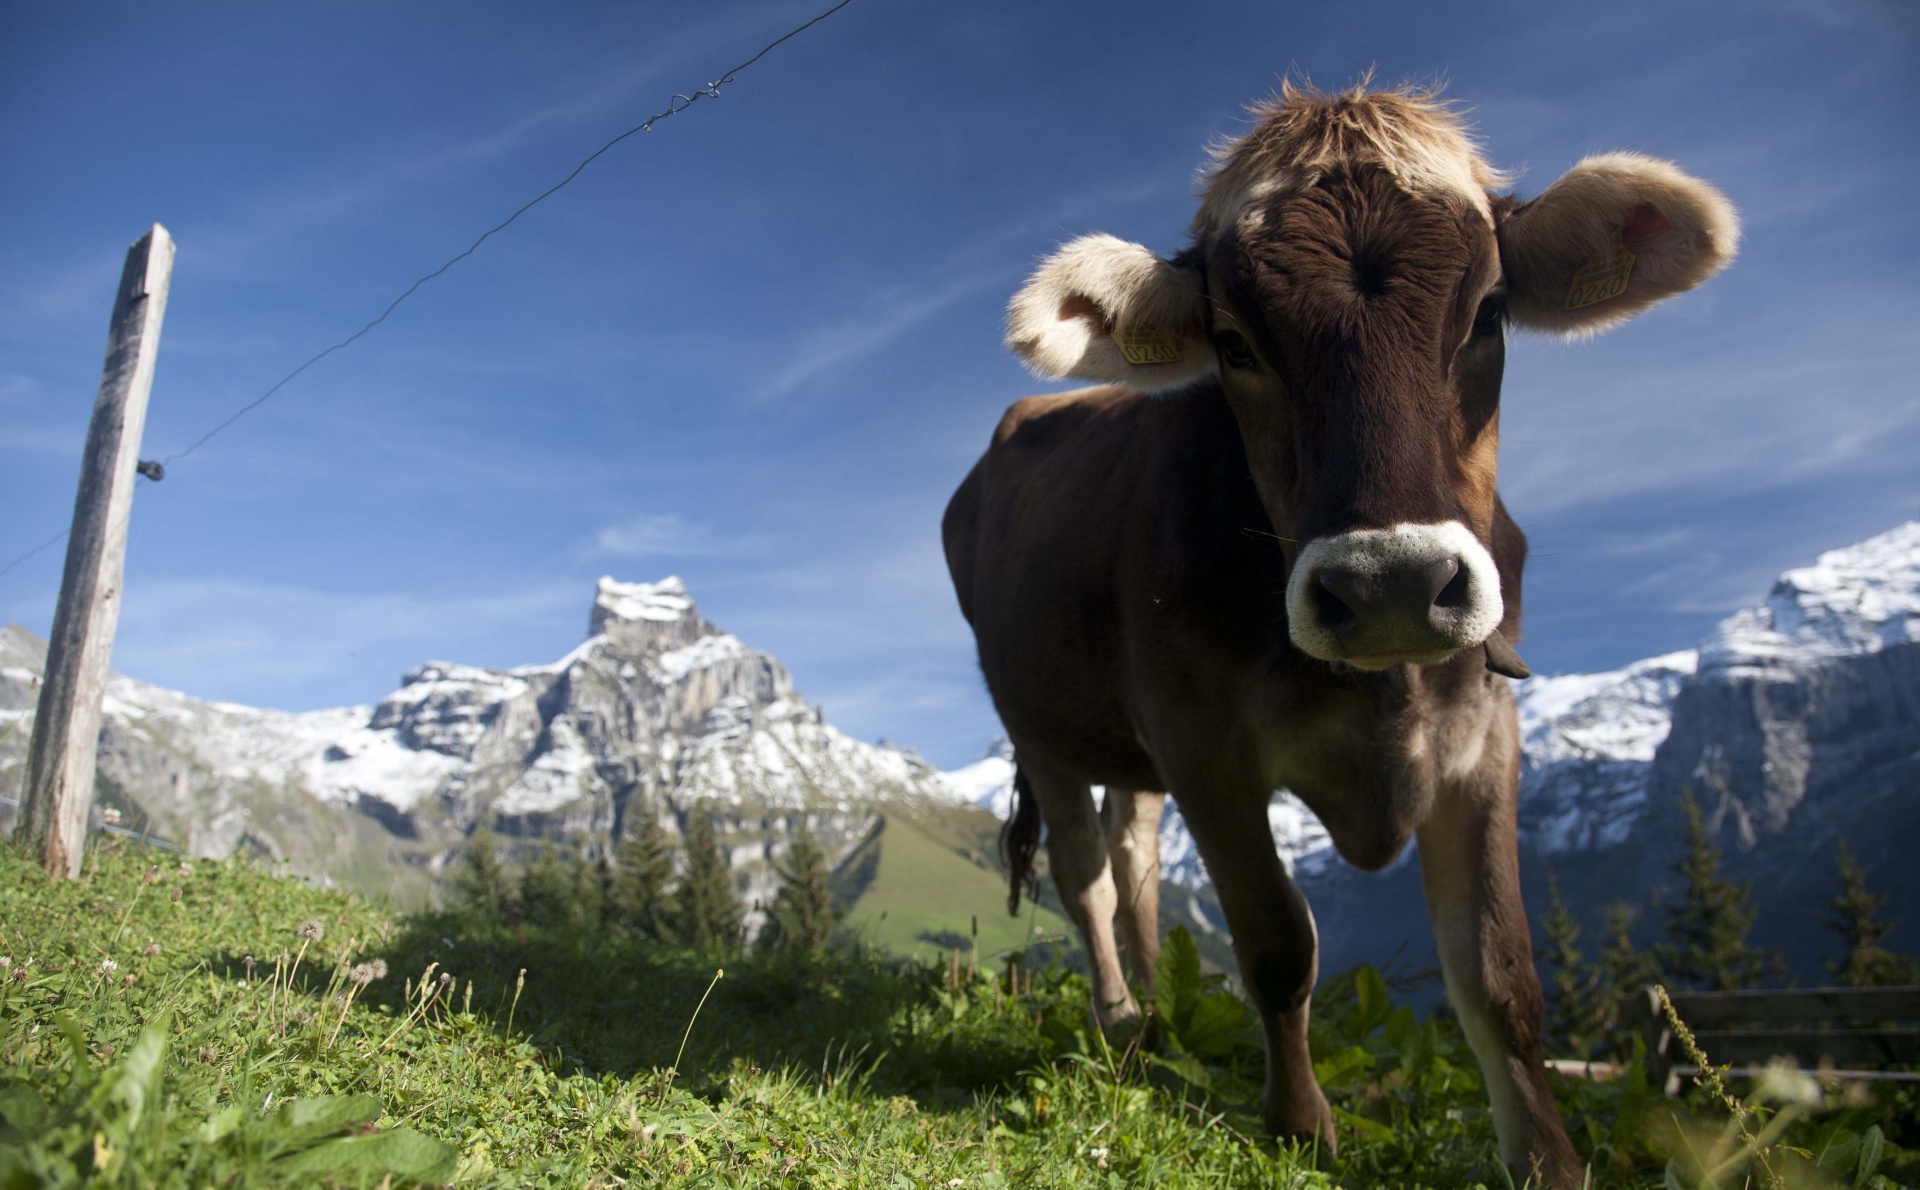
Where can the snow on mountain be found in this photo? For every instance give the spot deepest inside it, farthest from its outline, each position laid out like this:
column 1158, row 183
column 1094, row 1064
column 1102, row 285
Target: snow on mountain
column 1589, row 740
column 1587, row 743
column 1856, row 600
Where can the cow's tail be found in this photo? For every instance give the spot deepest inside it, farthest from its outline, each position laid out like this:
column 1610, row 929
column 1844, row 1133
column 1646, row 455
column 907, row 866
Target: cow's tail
column 1019, row 839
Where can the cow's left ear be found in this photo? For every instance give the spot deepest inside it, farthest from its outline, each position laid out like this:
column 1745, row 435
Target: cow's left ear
column 1104, row 309
column 1617, row 233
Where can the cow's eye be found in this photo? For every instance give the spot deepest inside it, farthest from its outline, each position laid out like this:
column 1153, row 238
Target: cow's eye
column 1234, row 349
column 1491, row 316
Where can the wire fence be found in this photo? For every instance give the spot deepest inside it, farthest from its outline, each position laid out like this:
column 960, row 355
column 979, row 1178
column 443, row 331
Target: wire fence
column 679, row 102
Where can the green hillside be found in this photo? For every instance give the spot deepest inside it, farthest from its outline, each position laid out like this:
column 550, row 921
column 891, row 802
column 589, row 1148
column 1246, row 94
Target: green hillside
column 921, row 884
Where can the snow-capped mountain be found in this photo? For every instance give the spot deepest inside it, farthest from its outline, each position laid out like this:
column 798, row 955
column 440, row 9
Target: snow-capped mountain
column 1852, row 601
column 655, row 711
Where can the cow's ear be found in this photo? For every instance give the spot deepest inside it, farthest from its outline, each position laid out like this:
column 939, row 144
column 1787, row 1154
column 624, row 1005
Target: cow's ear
column 1104, row 309
column 1613, row 236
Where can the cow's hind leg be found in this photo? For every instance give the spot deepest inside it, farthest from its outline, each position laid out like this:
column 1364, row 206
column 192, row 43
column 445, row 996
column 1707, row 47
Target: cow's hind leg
column 1132, row 820
column 1273, row 935
column 1470, row 863
column 1077, row 856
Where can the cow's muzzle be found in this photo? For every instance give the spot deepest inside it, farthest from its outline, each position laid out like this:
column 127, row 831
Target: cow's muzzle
column 1378, row 597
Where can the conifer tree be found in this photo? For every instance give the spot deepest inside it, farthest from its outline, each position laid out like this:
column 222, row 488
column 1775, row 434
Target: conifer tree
column 1624, row 969
column 1574, row 1016
column 802, row 917
column 645, row 869
column 704, row 914
column 596, row 892
column 548, row 889
column 1709, row 925
column 480, row 883
column 1851, row 914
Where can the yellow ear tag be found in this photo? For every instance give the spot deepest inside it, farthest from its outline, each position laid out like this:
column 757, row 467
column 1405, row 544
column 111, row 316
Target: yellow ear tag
column 1601, row 279
column 1145, row 345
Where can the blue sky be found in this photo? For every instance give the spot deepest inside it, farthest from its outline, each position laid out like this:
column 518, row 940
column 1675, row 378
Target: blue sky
column 759, row 346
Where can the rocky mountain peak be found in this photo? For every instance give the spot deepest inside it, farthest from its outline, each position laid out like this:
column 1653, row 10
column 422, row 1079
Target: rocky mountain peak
column 643, row 619
column 1852, row 601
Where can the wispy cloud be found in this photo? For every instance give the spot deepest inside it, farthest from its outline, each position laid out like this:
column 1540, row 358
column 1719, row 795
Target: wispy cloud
column 993, row 258
column 647, row 535
column 888, row 316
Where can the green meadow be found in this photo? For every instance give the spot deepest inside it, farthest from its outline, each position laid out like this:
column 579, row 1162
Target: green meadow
column 210, row 1024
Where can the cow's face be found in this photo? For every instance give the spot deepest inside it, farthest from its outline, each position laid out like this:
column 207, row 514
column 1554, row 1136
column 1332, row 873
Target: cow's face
column 1349, row 289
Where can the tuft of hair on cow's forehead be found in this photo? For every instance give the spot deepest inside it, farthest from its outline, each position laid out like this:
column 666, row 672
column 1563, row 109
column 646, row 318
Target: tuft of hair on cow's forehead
column 1301, row 134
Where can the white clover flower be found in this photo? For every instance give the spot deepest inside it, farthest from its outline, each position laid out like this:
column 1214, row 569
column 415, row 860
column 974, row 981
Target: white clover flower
column 107, row 965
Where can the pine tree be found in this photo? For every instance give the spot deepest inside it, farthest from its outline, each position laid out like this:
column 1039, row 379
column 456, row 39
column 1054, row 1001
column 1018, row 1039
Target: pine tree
column 1851, row 914
column 802, row 917
column 703, row 913
column 1574, row 1017
column 596, row 892
column 480, row 884
column 1624, row 970
column 547, row 889
column 644, row 870
column 1709, row 926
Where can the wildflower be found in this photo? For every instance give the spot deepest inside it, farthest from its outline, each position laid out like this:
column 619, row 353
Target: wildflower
column 312, row 931
column 186, row 869
column 129, row 979
column 205, row 1054
column 379, row 968
column 108, row 965
column 361, row 975
column 20, row 975
column 174, row 895
column 153, row 948
column 110, row 816
column 1099, row 1157
column 5, row 962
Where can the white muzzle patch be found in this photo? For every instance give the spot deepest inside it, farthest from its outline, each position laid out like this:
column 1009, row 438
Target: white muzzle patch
column 1461, row 623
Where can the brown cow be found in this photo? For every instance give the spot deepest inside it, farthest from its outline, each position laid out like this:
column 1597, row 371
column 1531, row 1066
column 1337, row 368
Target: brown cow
column 1268, row 551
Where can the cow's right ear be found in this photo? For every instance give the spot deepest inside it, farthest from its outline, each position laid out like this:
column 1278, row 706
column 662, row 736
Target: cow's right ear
column 1104, row 309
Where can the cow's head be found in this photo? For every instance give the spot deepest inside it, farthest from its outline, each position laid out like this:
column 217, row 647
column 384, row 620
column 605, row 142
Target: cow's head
column 1352, row 275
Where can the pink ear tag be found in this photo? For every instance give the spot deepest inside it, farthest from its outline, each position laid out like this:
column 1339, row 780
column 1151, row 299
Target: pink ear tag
column 1143, row 345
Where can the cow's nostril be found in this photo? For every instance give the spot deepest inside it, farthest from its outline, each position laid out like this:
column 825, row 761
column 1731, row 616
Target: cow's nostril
column 1334, row 599
column 1449, row 584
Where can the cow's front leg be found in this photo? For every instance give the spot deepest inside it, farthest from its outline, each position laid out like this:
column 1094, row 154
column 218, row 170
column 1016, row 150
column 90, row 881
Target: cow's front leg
column 1273, row 934
column 1077, row 856
column 1470, row 861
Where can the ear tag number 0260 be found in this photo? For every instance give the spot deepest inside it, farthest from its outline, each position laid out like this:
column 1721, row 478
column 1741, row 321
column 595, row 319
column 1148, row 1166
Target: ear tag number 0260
column 1601, row 279
column 1145, row 345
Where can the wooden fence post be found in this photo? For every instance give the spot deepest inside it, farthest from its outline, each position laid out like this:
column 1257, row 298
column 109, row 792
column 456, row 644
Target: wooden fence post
column 66, row 726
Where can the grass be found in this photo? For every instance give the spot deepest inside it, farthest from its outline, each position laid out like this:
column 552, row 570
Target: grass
column 211, row 1025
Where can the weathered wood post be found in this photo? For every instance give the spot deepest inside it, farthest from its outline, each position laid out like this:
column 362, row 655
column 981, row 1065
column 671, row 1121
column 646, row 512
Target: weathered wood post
column 66, row 727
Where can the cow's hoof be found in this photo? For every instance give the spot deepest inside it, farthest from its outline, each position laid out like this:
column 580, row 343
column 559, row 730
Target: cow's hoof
column 1300, row 1115
column 1120, row 1022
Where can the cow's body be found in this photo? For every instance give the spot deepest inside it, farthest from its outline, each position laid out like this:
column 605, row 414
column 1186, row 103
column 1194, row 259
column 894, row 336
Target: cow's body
column 1288, row 566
